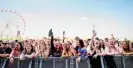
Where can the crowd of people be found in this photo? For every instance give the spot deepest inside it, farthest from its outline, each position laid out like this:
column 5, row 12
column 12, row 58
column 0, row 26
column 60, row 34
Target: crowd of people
column 52, row 47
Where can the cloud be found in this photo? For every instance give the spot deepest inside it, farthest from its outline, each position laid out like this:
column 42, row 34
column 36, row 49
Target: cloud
column 83, row 18
column 26, row 14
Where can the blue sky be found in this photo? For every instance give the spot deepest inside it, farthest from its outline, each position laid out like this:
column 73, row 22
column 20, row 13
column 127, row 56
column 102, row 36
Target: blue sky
column 76, row 17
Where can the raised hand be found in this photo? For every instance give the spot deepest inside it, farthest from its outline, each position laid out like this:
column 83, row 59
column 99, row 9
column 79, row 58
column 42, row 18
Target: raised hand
column 78, row 59
column 38, row 50
column 94, row 33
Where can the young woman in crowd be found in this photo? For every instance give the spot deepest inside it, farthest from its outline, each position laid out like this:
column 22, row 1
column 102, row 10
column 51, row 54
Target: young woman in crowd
column 16, row 52
column 98, row 49
column 72, row 49
column 45, row 49
column 102, row 44
column 95, row 50
column 66, row 50
column 29, row 52
column 126, row 48
column 42, row 46
column 113, row 48
column 82, row 52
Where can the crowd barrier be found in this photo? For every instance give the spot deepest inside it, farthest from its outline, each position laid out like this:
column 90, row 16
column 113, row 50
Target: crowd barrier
column 54, row 62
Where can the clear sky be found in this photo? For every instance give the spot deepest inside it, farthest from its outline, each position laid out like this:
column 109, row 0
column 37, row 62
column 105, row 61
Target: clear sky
column 76, row 17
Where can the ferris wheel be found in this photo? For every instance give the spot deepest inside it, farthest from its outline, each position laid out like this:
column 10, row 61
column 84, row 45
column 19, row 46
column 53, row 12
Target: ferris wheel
column 15, row 24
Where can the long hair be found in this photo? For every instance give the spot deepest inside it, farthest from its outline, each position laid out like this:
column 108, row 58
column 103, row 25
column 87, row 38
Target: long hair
column 102, row 45
column 81, row 43
column 21, row 46
column 32, row 49
column 67, row 47
column 127, row 43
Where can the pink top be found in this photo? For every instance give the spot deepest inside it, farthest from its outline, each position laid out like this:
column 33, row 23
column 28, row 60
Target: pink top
column 113, row 51
column 15, row 53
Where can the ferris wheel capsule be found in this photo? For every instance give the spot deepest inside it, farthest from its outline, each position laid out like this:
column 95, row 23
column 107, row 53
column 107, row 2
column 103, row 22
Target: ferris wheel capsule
column 10, row 10
column 14, row 12
column 2, row 10
column 18, row 14
column 6, row 10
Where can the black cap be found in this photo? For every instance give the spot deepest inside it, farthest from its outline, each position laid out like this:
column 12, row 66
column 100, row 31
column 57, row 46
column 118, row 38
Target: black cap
column 96, row 38
column 16, row 40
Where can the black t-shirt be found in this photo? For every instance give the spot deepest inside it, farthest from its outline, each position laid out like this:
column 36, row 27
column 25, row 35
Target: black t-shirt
column 57, row 54
column 5, row 51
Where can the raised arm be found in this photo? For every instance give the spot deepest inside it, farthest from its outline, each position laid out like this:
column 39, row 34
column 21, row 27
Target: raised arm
column 92, row 39
column 52, row 45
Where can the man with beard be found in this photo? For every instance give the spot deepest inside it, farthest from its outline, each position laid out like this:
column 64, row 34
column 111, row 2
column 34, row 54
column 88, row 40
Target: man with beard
column 5, row 50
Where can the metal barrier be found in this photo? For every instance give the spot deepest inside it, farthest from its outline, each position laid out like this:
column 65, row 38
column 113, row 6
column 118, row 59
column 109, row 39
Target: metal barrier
column 128, row 61
column 15, row 63
column 117, row 62
column 112, row 62
column 51, row 62
column 26, row 63
column 3, row 62
column 54, row 62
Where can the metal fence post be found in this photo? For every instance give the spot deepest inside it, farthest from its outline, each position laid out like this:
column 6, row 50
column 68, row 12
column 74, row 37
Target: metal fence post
column 30, row 64
column 71, row 62
column 36, row 63
column 123, row 62
column 102, row 63
column 5, row 60
column 66, row 63
column 77, row 66
column 40, row 65
column 18, row 64
column 88, row 61
column 53, row 63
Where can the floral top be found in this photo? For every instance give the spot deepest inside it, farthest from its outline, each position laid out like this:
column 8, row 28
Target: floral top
column 82, row 51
